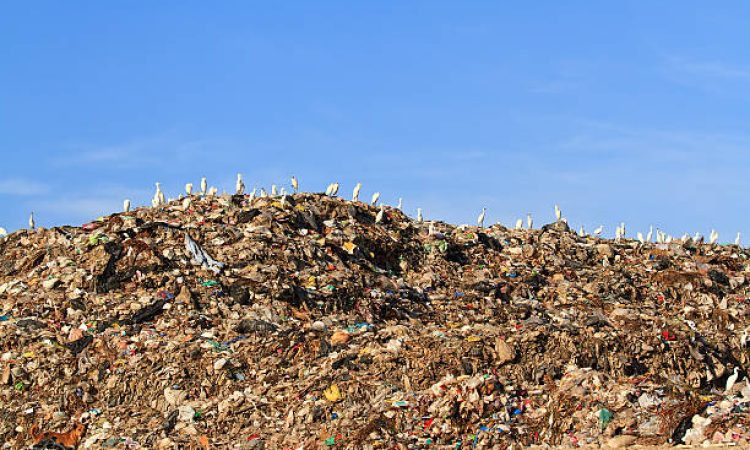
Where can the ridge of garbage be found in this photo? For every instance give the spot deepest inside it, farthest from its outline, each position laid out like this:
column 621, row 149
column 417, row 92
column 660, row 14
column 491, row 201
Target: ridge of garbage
column 303, row 322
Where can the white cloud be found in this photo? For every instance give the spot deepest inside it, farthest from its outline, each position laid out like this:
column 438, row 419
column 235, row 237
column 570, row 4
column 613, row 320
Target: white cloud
column 22, row 187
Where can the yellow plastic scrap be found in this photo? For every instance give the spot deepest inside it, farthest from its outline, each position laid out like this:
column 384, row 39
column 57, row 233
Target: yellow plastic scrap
column 349, row 247
column 333, row 394
column 474, row 338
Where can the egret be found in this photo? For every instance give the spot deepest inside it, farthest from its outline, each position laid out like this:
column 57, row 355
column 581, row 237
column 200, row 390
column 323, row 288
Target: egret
column 253, row 192
column 329, row 189
column 558, row 213
column 189, row 188
column 283, row 200
column 737, row 239
column 529, row 221
column 126, row 205
column 650, row 233
column 335, row 190
column 431, row 229
column 355, row 193
column 598, row 230
column 581, row 231
column 731, row 380
column 282, row 191
column 419, row 215
column 157, row 195
column 212, row 191
column 239, row 187
column 263, row 192
column 186, row 203
column 375, row 198
column 379, row 215
column 3, row 232
column 640, row 237
column 743, row 339
column 274, row 192
column 618, row 234
column 622, row 229
column 295, row 184
column 480, row 219
column 713, row 237
column 204, row 186
column 400, row 203
column 32, row 224
column 519, row 224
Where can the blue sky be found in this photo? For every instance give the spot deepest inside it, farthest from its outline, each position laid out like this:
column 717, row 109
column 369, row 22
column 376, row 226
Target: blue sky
column 617, row 111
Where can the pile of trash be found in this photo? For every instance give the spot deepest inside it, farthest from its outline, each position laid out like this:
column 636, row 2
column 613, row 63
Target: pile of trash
column 309, row 322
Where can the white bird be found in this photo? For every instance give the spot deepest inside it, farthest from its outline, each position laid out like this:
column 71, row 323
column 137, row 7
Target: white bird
column 743, row 338
column 158, row 195
column 274, row 191
column 295, row 184
column 419, row 215
column 640, row 237
column 239, row 187
column 598, row 230
column 204, row 186
column 737, row 240
column 375, row 198
column 480, row 219
column 558, row 213
column 126, row 205
column 400, row 203
column 329, row 189
column 3, row 232
column 731, row 380
column 282, row 191
column 283, row 201
column 263, row 192
column 650, row 233
column 622, row 229
column 189, row 188
column 379, row 215
column 186, row 203
column 618, row 234
column 335, row 190
column 713, row 237
column 529, row 221
column 519, row 224
column 669, row 239
column 253, row 192
column 355, row 193
column 581, row 231
column 684, row 238
column 212, row 191
column 431, row 229
column 32, row 224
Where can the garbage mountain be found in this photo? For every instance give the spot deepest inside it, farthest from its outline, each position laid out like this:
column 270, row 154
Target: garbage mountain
column 298, row 322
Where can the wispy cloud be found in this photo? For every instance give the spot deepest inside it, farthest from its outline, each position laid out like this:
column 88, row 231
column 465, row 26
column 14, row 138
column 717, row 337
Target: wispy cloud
column 712, row 69
column 22, row 187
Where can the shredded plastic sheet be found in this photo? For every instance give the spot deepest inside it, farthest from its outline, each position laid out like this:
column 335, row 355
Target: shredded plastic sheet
column 201, row 257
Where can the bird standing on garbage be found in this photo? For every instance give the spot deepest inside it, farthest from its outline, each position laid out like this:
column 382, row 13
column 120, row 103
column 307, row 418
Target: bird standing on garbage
column 480, row 219
column 239, row 187
column 598, row 230
column 375, row 198
column 32, row 224
column 329, row 189
column 253, row 192
column 295, row 184
column 379, row 215
column 355, row 193
column 731, row 380
column 419, row 215
column 274, row 191
column 650, row 233
column 581, row 231
column 400, row 203
column 737, row 240
column 558, row 213
column 713, row 237
column 204, row 186
column 529, row 221
column 189, row 189
column 3, row 232
column 519, row 224
column 126, row 205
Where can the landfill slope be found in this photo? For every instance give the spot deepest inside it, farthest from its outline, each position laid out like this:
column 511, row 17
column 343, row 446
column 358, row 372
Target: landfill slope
column 301, row 323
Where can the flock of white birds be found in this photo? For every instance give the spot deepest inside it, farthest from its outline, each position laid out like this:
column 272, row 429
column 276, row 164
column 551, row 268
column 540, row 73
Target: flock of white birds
column 332, row 190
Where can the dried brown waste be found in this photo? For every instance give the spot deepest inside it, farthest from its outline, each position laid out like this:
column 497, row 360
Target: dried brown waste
column 301, row 322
